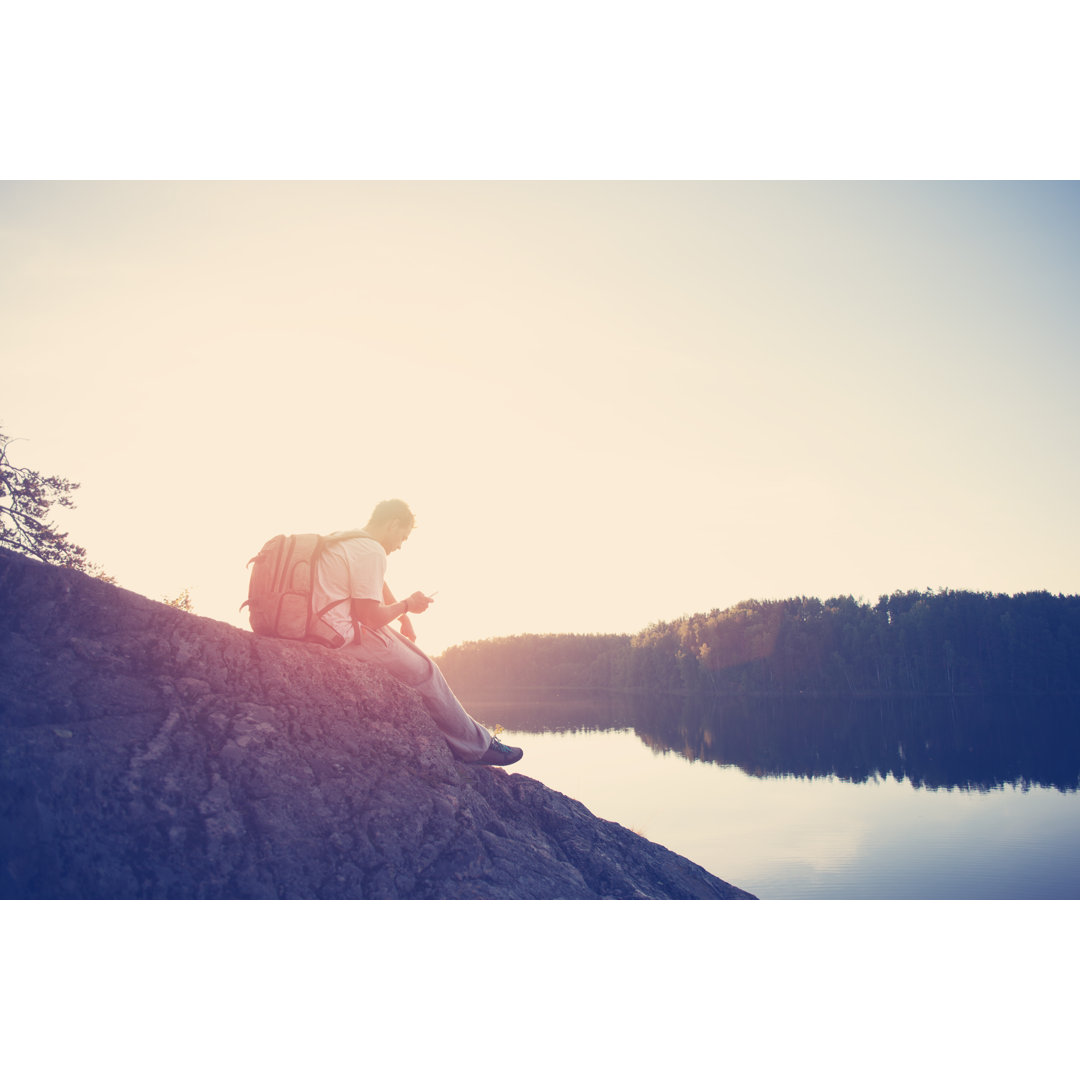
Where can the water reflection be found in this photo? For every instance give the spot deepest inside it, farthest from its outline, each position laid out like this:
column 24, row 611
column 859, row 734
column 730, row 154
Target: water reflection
column 975, row 744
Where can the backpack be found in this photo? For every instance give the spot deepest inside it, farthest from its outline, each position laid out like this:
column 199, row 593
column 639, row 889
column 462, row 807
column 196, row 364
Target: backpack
column 280, row 591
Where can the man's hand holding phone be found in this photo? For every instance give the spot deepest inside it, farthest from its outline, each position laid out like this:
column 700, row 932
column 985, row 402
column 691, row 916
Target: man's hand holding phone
column 419, row 602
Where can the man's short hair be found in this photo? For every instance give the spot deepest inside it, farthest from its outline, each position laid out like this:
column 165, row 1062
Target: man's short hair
column 392, row 510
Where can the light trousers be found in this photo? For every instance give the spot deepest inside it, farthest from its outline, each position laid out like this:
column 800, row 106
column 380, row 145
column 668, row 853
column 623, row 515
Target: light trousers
column 386, row 647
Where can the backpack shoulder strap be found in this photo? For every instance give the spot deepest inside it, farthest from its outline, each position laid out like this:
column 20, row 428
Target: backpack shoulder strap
column 324, row 543
column 348, row 534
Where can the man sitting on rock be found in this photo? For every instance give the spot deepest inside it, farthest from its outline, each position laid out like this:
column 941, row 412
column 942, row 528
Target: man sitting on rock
column 354, row 568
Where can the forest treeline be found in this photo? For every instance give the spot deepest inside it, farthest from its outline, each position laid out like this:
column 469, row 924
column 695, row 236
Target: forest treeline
column 933, row 642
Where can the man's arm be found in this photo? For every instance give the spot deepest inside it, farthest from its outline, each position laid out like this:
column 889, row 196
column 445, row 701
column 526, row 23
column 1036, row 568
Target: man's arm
column 406, row 623
column 373, row 615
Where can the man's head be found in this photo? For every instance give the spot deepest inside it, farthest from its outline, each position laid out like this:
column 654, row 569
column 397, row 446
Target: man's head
column 390, row 523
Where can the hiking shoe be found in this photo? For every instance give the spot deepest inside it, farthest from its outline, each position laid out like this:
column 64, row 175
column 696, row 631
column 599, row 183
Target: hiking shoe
column 497, row 754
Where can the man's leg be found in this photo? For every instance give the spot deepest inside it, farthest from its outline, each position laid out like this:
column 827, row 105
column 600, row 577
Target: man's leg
column 386, row 647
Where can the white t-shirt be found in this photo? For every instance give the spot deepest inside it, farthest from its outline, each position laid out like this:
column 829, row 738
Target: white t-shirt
column 352, row 569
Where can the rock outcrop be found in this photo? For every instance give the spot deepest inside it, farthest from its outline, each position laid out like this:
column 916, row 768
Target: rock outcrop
column 150, row 753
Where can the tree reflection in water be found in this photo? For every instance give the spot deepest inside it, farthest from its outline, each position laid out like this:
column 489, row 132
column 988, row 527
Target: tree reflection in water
column 970, row 743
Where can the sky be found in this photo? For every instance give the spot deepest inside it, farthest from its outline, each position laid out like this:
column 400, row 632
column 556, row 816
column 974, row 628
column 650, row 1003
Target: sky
column 608, row 403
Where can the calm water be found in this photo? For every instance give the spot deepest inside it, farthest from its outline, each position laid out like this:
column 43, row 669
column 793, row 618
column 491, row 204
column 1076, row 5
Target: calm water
column 819, row 800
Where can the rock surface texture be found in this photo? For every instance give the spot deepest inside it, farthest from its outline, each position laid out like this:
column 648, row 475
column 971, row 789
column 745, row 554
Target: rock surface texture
column 150, row 753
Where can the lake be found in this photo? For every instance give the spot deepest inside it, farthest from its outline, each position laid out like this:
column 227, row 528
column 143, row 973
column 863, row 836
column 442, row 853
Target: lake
column 824, row 799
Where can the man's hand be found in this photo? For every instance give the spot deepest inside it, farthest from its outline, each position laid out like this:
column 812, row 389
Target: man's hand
column 418, row 602
column 406, row 628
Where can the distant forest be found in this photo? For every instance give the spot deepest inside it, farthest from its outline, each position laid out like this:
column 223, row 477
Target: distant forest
column 909, row 643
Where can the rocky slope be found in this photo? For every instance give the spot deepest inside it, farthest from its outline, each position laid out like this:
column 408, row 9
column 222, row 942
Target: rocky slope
column 149, row 753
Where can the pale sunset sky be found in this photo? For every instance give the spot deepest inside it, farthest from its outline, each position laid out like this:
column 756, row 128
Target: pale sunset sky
column 608, row 403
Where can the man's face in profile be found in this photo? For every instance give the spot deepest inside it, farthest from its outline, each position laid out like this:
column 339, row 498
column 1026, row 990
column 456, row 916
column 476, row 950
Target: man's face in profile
column 396, row 535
